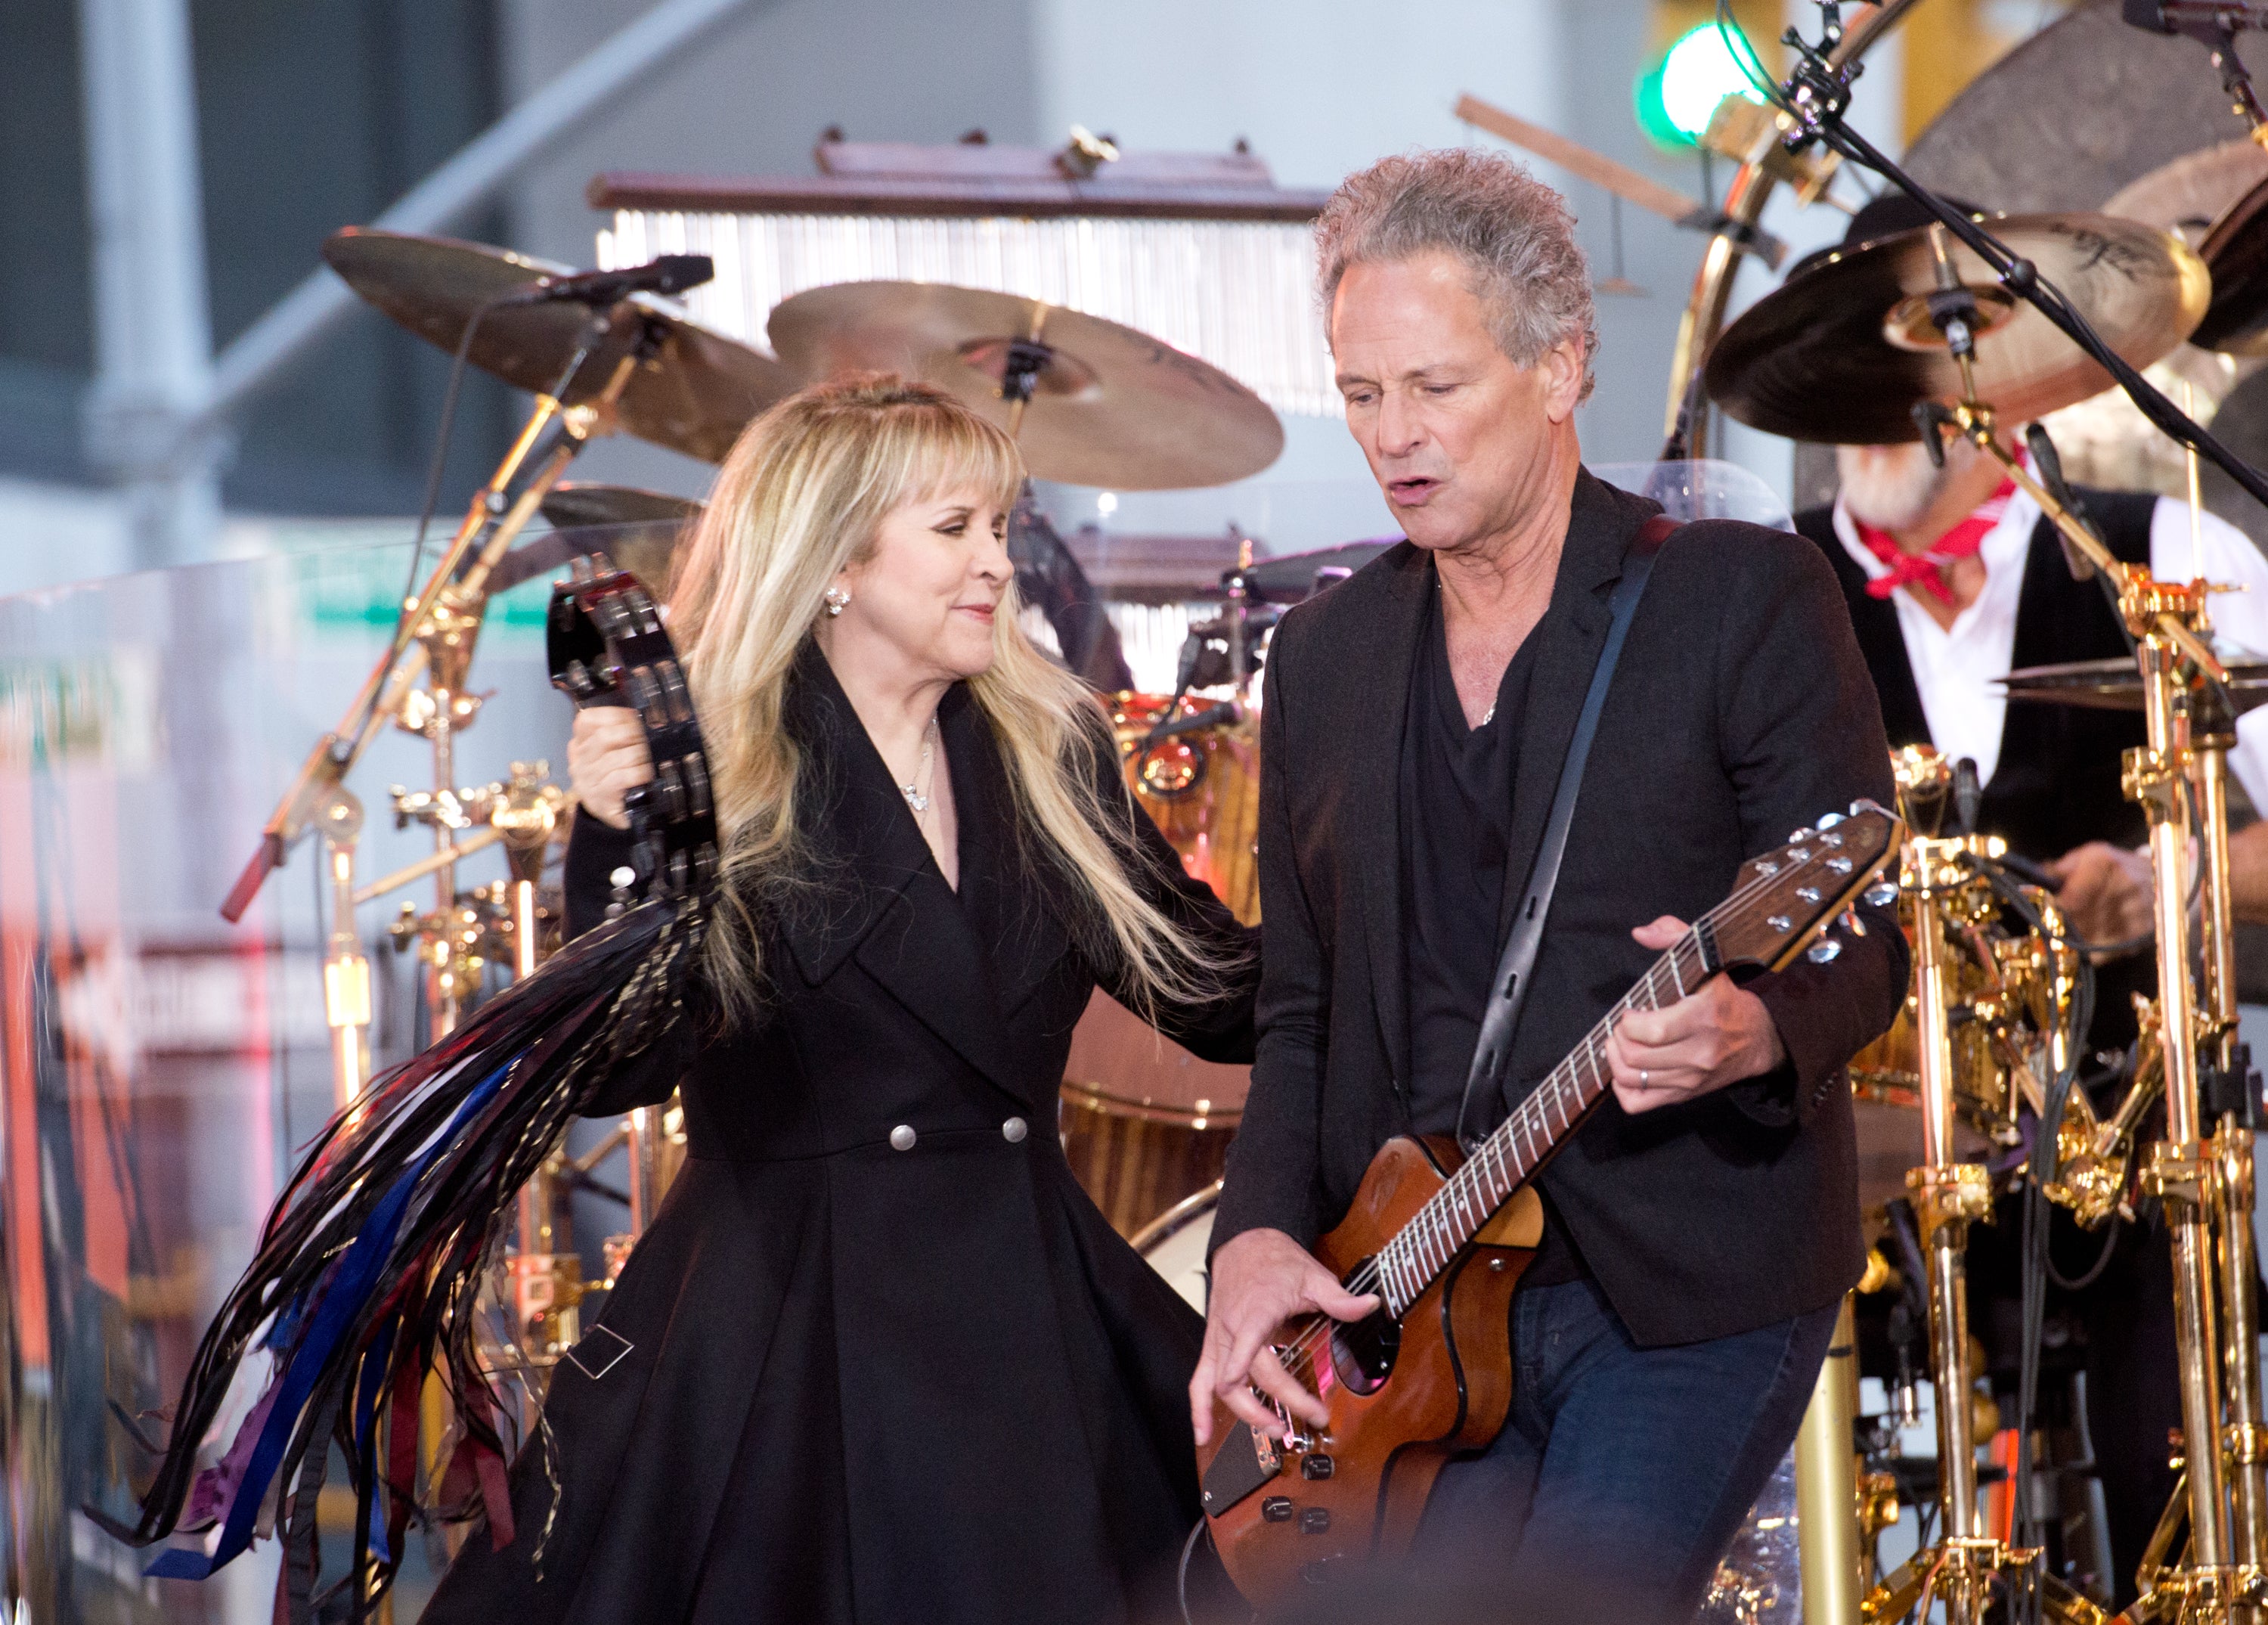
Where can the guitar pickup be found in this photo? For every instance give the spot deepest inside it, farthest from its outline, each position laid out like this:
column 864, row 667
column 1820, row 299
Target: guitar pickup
column 1246, row 1459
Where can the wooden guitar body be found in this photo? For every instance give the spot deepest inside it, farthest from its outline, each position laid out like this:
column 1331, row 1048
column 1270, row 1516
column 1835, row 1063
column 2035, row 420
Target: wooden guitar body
column 1283, row 1515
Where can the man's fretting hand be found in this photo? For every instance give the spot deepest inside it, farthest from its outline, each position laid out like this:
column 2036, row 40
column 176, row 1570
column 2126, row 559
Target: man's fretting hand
column 1717, row 1034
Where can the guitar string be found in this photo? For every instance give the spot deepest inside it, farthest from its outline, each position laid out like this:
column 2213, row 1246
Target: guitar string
column 1533, row 1118
column 1434, row 1213
column 1366, row 1278
column 1303, row 1347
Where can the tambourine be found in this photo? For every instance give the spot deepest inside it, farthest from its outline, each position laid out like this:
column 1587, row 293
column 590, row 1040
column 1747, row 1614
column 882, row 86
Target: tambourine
column 608, row 646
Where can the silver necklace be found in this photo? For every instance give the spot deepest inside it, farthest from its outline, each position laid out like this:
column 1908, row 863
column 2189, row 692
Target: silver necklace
column 916, row 798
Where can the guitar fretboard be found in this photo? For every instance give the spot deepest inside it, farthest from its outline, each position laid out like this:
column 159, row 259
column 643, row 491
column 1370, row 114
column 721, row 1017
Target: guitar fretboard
column 1421, row 1249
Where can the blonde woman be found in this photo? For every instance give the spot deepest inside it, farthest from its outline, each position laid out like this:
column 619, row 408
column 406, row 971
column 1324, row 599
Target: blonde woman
column 879, row 1357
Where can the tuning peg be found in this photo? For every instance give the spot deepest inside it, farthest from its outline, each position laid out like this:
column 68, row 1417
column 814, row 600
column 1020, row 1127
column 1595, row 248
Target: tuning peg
column 1881, row 894
column 1806, row 833
column 1853, row 923
column 1827, row 821
column 1825, row 950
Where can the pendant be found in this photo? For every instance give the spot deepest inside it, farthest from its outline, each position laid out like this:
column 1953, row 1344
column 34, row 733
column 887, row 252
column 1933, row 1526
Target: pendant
column 914, row 798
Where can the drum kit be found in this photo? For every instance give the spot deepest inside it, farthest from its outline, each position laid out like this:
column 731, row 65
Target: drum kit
column 1915, row 337
column 1908, row 337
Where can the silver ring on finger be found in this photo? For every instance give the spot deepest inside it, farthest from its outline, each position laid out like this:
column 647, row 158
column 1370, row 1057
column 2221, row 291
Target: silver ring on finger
column 1641, row 1077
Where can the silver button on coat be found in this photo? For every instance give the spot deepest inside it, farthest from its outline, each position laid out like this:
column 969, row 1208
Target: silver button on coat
column 1014, row 1129
column 902, row 1138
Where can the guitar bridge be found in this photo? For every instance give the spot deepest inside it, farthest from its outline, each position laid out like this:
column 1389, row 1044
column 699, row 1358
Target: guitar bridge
column 1246, row 1459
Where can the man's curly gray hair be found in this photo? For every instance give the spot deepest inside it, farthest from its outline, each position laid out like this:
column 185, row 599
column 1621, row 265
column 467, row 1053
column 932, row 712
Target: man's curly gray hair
column 1513, row 231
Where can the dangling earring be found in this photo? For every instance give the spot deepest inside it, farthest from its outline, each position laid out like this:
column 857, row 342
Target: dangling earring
column 837, row 601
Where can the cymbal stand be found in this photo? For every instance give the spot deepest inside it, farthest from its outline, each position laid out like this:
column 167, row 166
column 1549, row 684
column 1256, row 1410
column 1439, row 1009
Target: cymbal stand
column 2231, row 1091
column 450, row 629
column 1960, row 1569
column 346, row 972
column 553, row 435
column 2221, row 1577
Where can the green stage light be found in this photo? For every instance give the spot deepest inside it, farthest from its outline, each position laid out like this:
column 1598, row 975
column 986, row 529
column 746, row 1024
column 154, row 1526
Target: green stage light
column 1676, row 97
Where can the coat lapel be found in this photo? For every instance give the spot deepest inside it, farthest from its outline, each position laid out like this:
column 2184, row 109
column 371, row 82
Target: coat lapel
column 1601, row 524
column 879, row 894
column 1377, row 842
column 1011, row 908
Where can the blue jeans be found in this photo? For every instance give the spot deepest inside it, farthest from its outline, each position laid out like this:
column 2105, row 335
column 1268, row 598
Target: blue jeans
column 1622, row 1473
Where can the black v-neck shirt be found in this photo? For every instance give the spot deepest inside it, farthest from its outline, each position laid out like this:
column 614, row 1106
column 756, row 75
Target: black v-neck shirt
column 1456, row 818
column 1456, row 799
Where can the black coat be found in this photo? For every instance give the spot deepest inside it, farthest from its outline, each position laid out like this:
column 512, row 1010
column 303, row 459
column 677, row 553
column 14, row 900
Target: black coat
column 865, row 1382
column 1741, row 711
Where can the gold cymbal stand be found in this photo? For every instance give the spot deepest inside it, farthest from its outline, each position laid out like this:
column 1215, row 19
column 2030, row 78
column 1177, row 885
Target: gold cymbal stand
column 2200, row 1185
column 1961, row 1568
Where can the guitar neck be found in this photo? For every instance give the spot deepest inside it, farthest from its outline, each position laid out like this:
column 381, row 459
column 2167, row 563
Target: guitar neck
column 1421, row 1249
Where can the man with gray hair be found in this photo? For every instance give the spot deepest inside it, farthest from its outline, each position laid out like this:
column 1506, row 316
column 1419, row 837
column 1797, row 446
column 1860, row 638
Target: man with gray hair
column 1701, row 1228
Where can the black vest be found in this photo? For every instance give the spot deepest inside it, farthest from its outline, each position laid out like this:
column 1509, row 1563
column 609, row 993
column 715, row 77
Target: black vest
column 2057, row 785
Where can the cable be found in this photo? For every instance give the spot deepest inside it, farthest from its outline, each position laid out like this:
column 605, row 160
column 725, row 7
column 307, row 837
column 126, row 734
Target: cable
column 2094, row 1270
column 440, row 457
column 1182, row 1578
column 1735, row 41
column 2038, row 1268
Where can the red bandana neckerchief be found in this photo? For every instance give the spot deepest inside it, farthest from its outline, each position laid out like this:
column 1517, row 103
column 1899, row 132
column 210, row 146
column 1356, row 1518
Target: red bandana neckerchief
column 1926, row 570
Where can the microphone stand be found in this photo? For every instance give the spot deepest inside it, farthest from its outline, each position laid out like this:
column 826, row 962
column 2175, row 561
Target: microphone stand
column 2206, row 1186
column 1816, row 96
column 1738, row 218
column 2210, row 26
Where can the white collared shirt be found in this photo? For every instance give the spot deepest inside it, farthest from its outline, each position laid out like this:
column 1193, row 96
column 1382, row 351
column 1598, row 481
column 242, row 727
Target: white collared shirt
column 1955, row 668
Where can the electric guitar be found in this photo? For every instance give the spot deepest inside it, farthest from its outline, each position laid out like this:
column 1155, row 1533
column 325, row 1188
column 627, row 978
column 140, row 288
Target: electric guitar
column 1443, row 1240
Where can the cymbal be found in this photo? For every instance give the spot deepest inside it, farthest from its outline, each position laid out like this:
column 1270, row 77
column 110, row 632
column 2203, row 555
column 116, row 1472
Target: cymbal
column 2236, row 251
column 1110, row 406
column 569, row 506
column 2117, row 685
column 1287, row 578
column 640, row 530
column 694, row 396
column 1844, row 350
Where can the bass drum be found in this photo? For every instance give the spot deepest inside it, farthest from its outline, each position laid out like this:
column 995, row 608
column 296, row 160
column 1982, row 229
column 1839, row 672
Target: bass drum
column 1174, row 1244
column 1138, row 1158
column 1145, row 1123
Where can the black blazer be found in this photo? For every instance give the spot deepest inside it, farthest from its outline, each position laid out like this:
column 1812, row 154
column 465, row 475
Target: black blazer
column 1740, row 711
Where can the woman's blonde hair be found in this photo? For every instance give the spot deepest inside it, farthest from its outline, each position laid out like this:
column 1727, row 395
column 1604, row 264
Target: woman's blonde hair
column 802, row 495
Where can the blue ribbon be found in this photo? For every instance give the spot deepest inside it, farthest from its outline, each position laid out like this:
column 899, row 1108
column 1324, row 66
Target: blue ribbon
column 341, row 1300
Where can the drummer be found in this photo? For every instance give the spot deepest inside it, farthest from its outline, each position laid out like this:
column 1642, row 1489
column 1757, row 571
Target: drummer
column 1954, row 579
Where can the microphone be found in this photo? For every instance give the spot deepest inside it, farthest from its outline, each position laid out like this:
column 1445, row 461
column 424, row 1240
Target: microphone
column 2049, row 466
column 2209, row 20
column 1227, row 712
column 1968, row 794
column 671, row 273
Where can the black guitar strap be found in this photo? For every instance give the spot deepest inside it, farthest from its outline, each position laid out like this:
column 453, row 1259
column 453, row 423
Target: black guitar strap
column 1508, row 990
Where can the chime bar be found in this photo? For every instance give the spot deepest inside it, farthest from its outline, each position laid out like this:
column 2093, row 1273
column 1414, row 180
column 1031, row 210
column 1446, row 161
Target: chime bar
column 1206, row 254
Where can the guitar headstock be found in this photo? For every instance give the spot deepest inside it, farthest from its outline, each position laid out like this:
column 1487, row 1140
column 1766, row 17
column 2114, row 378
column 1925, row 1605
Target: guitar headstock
column 1784, row 899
